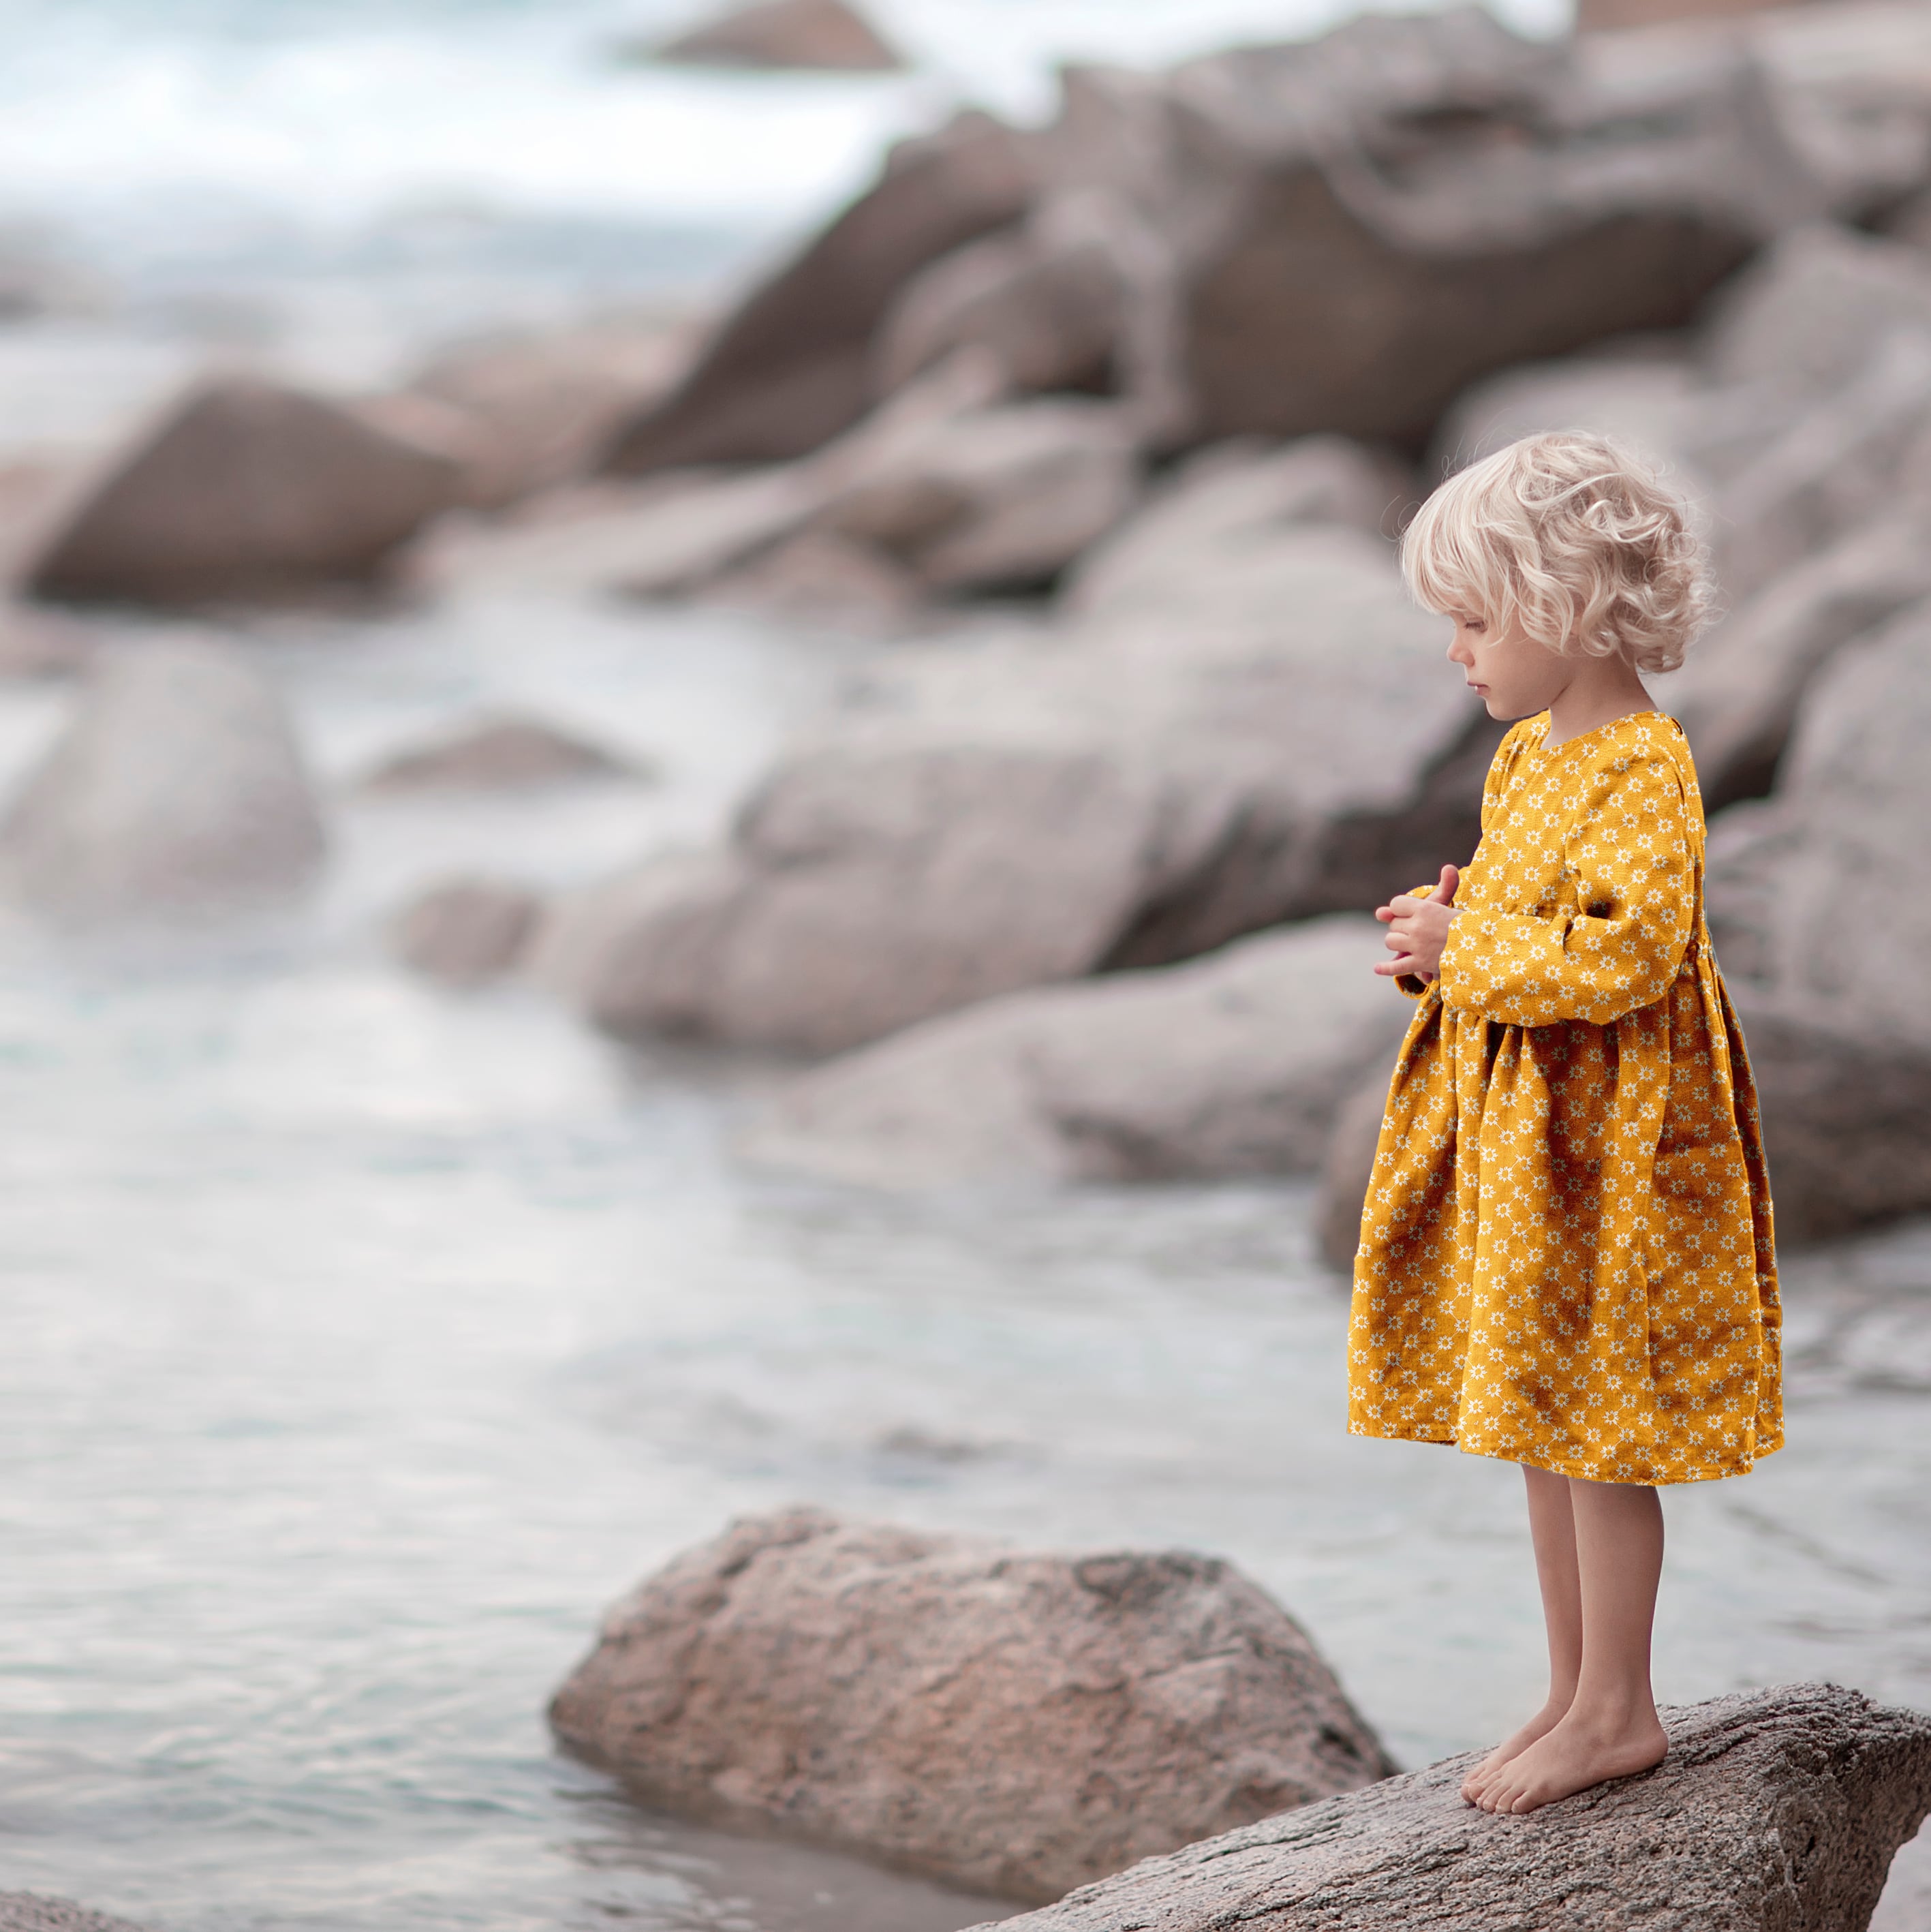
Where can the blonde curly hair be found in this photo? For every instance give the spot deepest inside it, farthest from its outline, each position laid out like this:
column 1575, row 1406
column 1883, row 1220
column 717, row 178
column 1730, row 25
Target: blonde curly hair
column 1577, row 538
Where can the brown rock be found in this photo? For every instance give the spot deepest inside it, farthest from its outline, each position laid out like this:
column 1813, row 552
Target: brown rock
column 177, row 787
column 1739, row 693
column 244, row 488
column 992, row 499
column 1207, row 535
column 1001, row 814
column 544, row 406
column 1013, row 1722
column 1595, row 17
column 786, row 34
column 1776, row 1811
column 1818, row 894
column 466, row 931
column 30, row 1911
column 789, row 368
column 1233, row 1064
column 498, row 753
column 819, row 574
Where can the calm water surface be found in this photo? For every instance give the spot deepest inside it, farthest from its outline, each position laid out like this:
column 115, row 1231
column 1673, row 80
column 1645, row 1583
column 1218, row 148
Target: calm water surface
column 358, row 1342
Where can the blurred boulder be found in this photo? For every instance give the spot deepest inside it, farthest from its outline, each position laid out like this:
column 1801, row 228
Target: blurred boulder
column 1814, row 310
column 1648, row 399
column 1334, row 236
column 541, row 407
column 177, row 787
column 789, row 367
column 823, row 33
column 1205, row 536
column 1738, row 694
column 1233, row 1064
column 1775, row 1811
column 1821, row 895
column 819, row 574
column 466, row 931
column 1012, row 1722
column 992, row 499
column 498, row 753
column 1126, row 791
column 244, row 488
column 1595, row 16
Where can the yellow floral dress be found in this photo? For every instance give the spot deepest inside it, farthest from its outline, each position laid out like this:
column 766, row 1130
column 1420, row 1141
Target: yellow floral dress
column 1566, row 1254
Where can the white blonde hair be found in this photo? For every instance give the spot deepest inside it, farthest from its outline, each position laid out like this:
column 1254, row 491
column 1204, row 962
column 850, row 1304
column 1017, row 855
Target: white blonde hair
column 1573, row 536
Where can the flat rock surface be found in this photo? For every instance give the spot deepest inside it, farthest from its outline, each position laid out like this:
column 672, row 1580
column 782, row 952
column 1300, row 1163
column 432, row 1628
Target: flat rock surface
column 1015, row 1722
column 1775, row 1809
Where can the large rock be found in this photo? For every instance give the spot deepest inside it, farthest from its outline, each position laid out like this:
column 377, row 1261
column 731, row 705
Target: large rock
column 1738, row 695
column 244, row 488
column 1014, row 1723
column 1131, row 790
column 785, row 34
column 466, row 932
column 1775, row 1811
column 790, row 367
column 1822, row 896
column 1000, row 498
column 1234, row 1064
column 1336, row 236
column 177, row 788
column 545, row 405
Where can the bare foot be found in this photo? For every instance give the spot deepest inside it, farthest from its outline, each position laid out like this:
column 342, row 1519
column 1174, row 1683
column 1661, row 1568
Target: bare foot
column 1572, row 1757
column 1544, row 1721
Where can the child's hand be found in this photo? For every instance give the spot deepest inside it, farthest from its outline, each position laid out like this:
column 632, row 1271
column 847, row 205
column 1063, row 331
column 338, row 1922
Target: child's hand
column 1418, row 929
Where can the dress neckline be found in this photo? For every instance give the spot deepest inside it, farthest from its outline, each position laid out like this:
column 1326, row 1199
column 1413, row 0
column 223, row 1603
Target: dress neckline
column 1540, row 722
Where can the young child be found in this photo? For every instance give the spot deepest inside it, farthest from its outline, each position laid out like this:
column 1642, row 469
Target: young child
column 1566, row 1257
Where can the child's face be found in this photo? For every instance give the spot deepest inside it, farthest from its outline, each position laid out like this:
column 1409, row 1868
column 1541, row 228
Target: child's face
column 1513, row 675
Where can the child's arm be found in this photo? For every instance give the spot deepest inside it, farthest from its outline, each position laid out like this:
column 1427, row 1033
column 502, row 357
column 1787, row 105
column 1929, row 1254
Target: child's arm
column 1629, row 859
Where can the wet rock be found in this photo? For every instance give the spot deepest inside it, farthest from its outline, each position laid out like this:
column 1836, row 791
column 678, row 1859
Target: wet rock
column 244, row 488
column 1011, row 1722
column 466, row 931
column 31, row 1911
column 1010, row 812
column 177, row 787
column 786, row 34
column 1207, row 535
column 992, row 499
column 1233, row 1064
column 1739, row 693
column 544, row 406
column 1774, row 1809
column 791, row 367
column 498, row 753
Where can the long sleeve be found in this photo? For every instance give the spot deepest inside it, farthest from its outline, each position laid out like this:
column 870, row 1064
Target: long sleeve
column 1628, row 857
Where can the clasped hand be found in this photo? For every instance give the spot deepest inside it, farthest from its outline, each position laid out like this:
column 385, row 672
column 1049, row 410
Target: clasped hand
column 1418, row 929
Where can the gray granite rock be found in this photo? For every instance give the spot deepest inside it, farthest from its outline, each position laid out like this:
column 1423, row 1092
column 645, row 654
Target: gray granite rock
column 1775, row 1811
column 29, row 1911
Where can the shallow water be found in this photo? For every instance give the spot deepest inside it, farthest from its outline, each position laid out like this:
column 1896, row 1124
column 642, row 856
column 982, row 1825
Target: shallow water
column 358, row 1342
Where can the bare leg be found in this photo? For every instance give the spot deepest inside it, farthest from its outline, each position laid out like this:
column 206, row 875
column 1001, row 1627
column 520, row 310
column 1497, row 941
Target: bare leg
column 1610, row 1729
column 1552, row 1530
